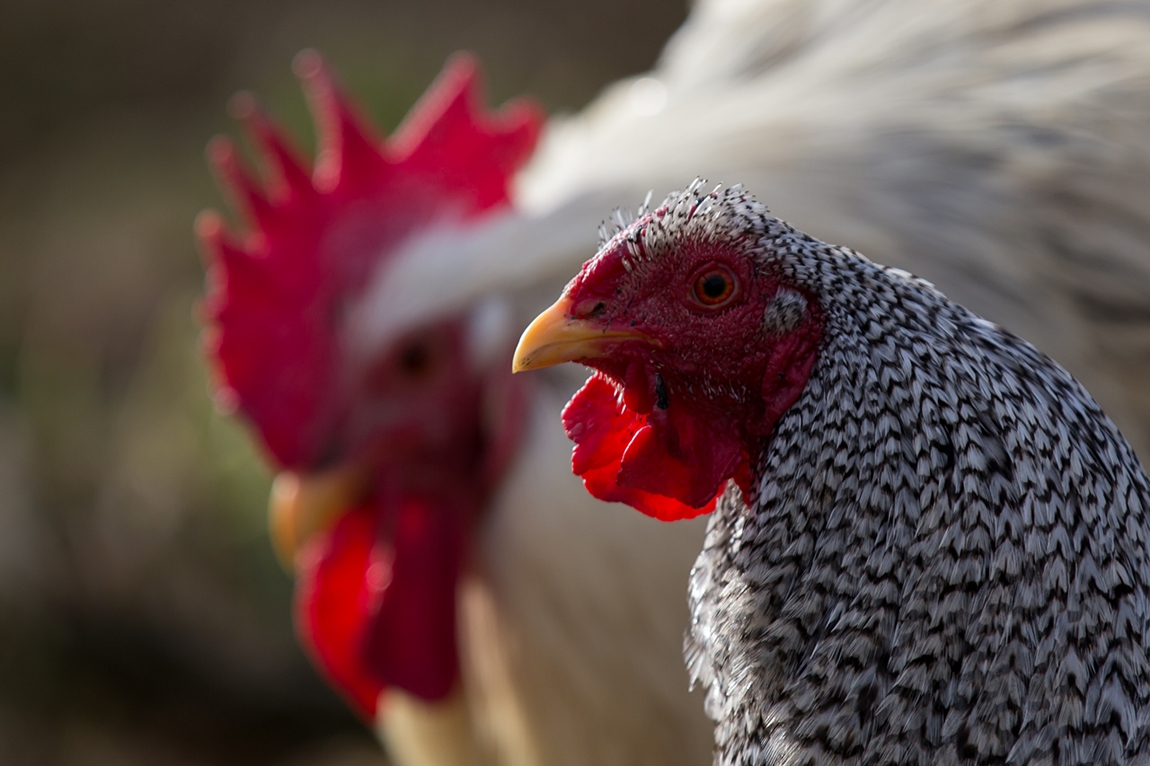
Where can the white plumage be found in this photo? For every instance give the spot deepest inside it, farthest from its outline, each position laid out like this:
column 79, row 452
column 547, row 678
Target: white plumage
column 999, row 149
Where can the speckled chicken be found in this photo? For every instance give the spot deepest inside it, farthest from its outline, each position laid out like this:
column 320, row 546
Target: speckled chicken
column 929, row 544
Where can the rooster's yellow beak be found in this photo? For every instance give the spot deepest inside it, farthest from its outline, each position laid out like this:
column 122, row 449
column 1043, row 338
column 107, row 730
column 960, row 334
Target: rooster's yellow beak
column 557, row 336
column 303, row 504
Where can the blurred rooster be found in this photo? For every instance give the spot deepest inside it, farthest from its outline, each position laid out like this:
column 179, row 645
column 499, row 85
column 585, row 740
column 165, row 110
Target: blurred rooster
column 998, row 149
column 387, row 457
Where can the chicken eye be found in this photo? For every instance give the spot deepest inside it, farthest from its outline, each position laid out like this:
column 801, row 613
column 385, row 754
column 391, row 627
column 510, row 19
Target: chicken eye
column 714, row 287
column 416, row 361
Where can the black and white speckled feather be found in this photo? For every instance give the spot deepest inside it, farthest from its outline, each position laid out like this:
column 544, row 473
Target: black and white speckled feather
column 945, row 557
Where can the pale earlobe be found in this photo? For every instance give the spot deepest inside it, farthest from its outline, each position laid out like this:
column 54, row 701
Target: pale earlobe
column 785, row 311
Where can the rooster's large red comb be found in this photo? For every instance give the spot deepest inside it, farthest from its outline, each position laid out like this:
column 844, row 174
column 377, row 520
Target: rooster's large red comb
column 278, row 294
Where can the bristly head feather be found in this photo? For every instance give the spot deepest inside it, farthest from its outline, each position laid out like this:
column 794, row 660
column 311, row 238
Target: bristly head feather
column 621, row 218
column 696, row 214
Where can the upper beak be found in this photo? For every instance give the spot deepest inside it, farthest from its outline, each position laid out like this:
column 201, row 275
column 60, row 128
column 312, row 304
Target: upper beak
column 302, row 505
column 556, row 336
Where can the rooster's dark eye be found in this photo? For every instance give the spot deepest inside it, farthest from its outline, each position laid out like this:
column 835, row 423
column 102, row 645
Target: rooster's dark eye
column 415, row 360
column 714, row 287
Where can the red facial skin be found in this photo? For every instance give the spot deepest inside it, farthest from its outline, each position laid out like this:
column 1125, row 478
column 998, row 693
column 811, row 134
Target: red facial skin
column 668, row 449
column 375, row 595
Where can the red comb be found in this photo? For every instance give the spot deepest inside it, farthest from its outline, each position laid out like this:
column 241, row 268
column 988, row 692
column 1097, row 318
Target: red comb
column 277, row 294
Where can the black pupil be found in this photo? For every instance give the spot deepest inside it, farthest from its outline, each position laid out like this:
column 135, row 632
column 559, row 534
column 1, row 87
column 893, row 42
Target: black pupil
column 714, row 285
column 415, row 359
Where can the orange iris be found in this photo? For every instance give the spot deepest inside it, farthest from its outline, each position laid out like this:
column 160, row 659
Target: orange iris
column 714, row 287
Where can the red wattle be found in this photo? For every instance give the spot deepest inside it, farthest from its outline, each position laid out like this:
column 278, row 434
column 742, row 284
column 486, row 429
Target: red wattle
column 682, row 455
column 605, row 431
column 375, row 600
column 409, row 641
column 331, row 602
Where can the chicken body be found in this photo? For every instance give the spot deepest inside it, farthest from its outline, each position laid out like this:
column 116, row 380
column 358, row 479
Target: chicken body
column 939, row 552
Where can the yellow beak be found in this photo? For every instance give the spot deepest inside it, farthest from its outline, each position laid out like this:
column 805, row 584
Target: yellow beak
column 302, row 505
column 556, row 336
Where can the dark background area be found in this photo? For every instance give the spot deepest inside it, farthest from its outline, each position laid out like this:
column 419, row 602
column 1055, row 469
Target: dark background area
column 143, row 618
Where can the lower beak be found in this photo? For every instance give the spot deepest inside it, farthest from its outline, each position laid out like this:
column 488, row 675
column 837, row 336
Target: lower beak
column 417, row 731
column 302, row 505
column 556, row 336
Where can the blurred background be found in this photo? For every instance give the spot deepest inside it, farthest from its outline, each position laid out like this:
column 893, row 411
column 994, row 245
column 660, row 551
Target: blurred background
column 143, row 618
